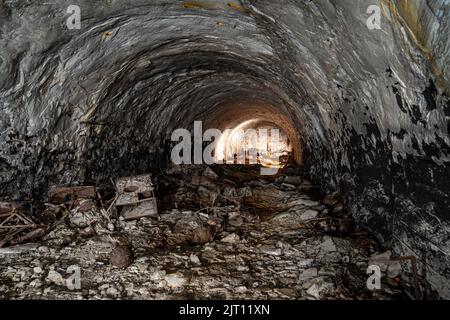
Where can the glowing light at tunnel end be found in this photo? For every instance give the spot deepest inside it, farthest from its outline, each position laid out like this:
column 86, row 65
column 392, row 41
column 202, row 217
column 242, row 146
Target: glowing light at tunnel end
column 244, row 144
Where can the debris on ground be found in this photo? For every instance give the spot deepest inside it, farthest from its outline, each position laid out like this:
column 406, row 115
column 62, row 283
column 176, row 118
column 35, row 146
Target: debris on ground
column 122, row 254
column 16, row 227
column 60, row 195
column 220, row 233
column 135, row 195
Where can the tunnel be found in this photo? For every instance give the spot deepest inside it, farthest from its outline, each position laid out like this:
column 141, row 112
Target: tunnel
column 363, row 111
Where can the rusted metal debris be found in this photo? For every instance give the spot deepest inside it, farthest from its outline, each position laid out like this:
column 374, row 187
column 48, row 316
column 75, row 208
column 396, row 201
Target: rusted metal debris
column 61, row 195
column 15, row 227
column 135, row 195
column 413, row 260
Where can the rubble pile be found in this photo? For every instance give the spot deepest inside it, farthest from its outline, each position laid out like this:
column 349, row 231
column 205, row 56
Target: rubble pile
column 15, row 226
column 216, row 233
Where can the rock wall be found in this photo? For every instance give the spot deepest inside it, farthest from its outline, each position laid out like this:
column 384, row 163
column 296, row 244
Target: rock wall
column 371, row 106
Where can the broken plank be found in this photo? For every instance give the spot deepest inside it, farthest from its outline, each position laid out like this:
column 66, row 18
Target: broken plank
column 144, row 209
column 66, row 194
column 37, row 233
column 134, row 190
column 135, row 184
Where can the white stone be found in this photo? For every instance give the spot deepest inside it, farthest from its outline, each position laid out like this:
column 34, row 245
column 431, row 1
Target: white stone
column 36, row 283
column 20, row 275
column 305, row 263
column 103, row 287
column 243, row 268
column 175, row 280
column 37, row 270
column 394, row 269
column 110, row 226
column 309, row 214
column 18, row 249
column 112, row 292
column 304, row 202
column 158, row 275
column 194, row 259
column 308, row 274
column 319, row 288
column 56, row 278
column 231, row 238
column 44, row 249
column 282, row 218
column 143, row 291
column 241, row 289
column 314, row 291
column 271, row 250
column 327, row 245
column 47, row 290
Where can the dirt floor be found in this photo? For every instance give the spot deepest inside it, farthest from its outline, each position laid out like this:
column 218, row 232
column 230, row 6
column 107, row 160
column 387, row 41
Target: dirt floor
column 221, row 233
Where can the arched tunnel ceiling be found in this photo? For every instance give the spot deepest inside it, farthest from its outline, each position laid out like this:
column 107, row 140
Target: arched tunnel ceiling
column 370, row 107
